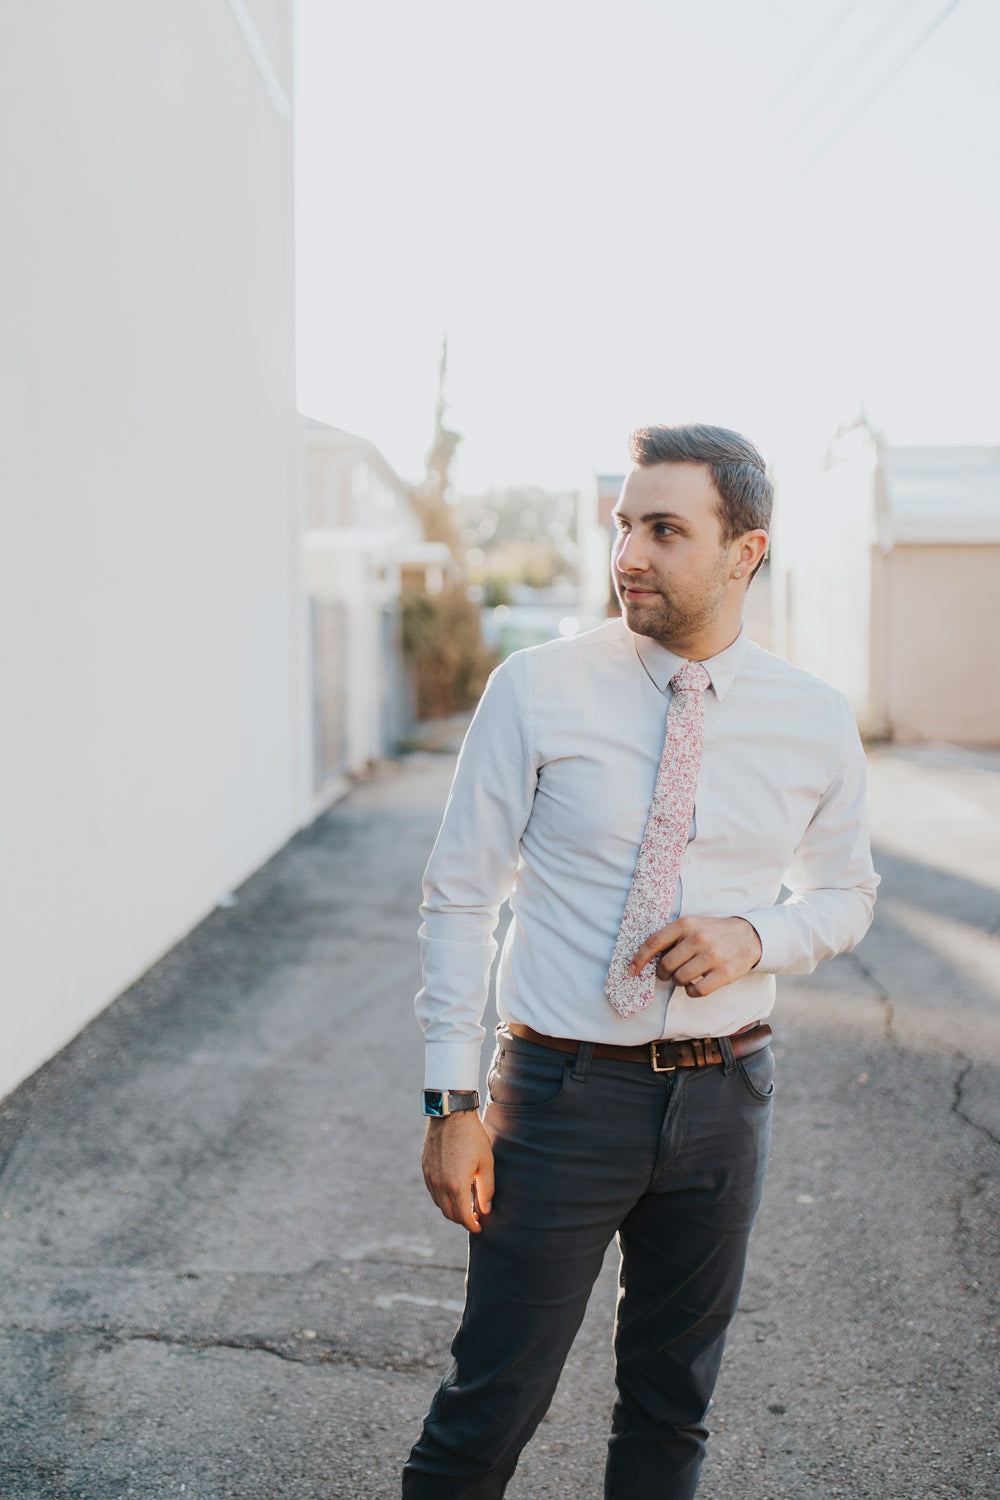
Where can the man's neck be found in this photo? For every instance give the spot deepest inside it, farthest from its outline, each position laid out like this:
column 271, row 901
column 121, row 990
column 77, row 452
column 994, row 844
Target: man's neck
column 703, row 645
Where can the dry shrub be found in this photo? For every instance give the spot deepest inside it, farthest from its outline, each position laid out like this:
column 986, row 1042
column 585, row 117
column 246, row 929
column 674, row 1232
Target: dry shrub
column 441, row 637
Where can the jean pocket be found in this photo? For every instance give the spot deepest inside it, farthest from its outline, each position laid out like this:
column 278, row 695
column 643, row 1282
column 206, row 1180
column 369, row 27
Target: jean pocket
column 757, row 1073
column 518, row 1080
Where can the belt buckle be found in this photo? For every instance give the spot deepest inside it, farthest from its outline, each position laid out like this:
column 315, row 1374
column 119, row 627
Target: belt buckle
column 654, row 1061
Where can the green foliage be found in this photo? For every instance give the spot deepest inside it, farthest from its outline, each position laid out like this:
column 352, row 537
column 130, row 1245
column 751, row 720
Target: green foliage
column 523, row 534
column 441, row 638
column 496, row 591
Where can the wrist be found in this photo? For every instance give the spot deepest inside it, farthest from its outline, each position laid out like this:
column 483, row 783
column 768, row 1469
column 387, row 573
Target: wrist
column 754, row 939
column 455, row 1124
column 440, row 1104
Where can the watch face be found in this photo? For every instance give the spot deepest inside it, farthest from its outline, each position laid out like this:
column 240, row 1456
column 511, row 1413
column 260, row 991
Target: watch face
column 433, row 1102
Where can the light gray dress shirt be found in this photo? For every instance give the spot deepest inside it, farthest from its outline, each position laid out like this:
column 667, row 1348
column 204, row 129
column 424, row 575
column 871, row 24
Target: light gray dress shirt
column 548, row 808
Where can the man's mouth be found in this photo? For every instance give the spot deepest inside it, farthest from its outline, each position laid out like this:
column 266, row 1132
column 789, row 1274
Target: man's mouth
column 635, row 591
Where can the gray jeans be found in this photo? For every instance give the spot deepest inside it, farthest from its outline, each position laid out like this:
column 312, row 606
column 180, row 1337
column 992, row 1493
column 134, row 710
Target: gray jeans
column 586, row 1148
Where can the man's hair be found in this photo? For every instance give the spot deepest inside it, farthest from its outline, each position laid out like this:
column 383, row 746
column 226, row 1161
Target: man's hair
column 738, row 471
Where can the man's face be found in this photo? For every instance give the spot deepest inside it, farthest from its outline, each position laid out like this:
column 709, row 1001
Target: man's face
column 672, row 571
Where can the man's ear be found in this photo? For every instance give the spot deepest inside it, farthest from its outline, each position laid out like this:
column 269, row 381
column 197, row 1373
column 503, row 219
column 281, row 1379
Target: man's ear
column 752, row 546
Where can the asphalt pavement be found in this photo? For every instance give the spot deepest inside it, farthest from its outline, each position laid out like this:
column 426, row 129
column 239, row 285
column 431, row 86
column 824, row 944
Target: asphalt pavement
column 221, row 1275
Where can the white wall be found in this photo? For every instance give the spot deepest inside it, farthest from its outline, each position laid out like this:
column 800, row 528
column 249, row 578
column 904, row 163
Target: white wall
column 343, row 569
column 360, row 523
column 151, row 616
column 344, row 565
column 822, row 543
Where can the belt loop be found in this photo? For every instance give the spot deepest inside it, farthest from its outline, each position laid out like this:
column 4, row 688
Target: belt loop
column 728, row 1056
column 581, row 1066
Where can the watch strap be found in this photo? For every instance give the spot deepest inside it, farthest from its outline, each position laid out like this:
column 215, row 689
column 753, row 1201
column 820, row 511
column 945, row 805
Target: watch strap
column 441, row 1102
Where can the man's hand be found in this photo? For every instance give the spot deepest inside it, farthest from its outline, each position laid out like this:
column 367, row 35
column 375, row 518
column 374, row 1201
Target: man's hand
column 701, row 954
column 458, row 1167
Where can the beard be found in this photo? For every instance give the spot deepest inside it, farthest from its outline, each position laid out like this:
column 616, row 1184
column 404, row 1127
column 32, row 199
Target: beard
column 669, row 619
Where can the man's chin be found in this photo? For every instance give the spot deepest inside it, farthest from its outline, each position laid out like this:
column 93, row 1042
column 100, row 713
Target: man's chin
column 641, row 619
column 653, row 618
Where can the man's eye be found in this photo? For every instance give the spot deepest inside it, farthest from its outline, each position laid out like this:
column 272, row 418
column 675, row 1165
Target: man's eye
column 662, row 529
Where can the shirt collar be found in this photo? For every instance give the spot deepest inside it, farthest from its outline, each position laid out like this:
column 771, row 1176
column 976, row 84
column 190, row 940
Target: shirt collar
column 661, row 664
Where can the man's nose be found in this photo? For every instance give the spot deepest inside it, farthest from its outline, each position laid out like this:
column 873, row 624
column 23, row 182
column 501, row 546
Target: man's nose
column 630, row 557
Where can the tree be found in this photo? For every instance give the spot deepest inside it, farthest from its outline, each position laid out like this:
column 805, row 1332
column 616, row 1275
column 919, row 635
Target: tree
column 520, row 534
column 441, row 632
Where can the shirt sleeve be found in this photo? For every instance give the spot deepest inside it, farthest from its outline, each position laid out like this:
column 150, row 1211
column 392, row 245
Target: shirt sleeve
column 470, row 874
column 831, row 880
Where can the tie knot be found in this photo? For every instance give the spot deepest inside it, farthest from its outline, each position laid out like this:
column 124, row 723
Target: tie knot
column 691, row 678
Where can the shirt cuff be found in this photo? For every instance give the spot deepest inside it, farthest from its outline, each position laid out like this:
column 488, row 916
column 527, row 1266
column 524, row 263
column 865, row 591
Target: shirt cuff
column 452, row 1065
column 771, row 927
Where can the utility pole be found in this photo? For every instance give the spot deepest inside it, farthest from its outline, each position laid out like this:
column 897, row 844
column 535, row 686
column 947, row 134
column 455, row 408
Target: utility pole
column 437, row 516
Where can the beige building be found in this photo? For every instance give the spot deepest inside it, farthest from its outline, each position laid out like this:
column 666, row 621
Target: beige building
column 887, row 582
column 363, row 547
column 152, row 626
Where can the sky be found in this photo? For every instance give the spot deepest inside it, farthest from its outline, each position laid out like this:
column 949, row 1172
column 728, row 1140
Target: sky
column 625, row 211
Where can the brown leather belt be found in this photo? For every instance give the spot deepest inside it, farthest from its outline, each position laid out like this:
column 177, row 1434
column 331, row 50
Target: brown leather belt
column 662, row 1057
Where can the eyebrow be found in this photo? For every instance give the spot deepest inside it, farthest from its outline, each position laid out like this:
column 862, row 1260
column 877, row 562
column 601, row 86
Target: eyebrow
column 652, row 516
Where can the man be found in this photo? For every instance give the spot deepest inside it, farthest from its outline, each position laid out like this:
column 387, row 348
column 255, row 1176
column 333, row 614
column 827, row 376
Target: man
column 642, row 793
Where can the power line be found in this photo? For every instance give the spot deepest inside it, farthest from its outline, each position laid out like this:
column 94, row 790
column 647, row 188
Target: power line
column 832, row 139
column 804, row 63
column 817, row 104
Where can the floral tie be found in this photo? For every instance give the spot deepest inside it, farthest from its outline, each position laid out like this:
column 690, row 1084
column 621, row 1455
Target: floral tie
column 668, row 825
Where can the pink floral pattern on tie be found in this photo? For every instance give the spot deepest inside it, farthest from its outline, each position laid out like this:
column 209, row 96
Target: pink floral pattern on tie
column 668, row 824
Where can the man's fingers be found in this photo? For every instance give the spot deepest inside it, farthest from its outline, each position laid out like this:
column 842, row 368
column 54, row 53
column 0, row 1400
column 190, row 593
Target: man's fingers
column 457, row 1155
column 456, row 1211
column 657, row 942
column 683, row 954
column 705, row 985
column 458, row 1204
column 465, row 1214
column 482, row 1187
column 698, row 966
column 700, row 954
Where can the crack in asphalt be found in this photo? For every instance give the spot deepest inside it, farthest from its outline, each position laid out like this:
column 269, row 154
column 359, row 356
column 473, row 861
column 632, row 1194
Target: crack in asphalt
column 319, row 1354
column 882, row 996
column 976, row 1184
column 956, row 1104
column 350, row 1347
column 407, row 1265
column 9, row 1151
column 210, row 1341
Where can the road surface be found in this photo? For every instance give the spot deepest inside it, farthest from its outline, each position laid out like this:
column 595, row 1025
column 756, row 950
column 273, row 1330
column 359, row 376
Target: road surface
column 222, row 1278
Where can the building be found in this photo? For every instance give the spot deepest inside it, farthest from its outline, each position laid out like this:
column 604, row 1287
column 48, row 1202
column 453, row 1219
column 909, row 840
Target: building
column 887, row 582
column 152, row 625
column 364, row 548
column 597, row 536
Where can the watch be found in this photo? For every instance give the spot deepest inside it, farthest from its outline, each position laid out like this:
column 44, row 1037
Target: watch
column 441, row 1102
